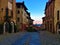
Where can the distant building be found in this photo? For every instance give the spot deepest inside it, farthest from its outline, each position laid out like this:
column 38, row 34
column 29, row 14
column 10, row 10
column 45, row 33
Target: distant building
column 52, row 18
column 23, row 16
column 31, row 21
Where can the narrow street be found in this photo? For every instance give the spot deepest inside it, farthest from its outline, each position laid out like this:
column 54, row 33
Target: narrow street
column 29, row 22
column 23, row 38
column 30, row 38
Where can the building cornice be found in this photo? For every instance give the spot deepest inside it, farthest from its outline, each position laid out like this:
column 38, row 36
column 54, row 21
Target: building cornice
column 48, row 4
column 19, row 4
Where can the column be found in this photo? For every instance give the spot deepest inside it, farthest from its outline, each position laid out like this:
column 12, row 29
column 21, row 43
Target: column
column 12, row 26
column 4, row 28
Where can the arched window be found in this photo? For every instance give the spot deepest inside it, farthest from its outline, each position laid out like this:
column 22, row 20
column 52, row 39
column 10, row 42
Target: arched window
column 58, row 15
column 59, row 26
column 18, row 19
column 18, row 11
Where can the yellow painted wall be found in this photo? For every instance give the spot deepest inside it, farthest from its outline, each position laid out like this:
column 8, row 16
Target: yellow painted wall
column 3, row 5
column 56, row 8
column 25, row 20
column 20, row 17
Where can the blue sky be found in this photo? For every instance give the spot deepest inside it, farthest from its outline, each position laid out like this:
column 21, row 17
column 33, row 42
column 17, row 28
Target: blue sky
column 36, row 9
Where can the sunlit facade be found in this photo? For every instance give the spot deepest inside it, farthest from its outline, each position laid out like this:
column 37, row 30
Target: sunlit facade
column 23, row 16
column 7, row 11
column 52, row 18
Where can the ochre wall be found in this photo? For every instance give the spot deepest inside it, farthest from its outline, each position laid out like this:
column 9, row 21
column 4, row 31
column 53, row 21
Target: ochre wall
column 56, row 8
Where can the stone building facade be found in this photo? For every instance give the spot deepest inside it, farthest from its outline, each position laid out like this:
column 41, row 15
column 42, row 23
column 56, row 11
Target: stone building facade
column 52, row 16
column 23, row 16
column 7, row 13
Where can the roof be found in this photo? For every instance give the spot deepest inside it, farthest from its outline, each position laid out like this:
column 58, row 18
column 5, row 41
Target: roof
column 48, row 3
column 19, row 4
column 28, row 13
column 43, row 18
column 32, row 20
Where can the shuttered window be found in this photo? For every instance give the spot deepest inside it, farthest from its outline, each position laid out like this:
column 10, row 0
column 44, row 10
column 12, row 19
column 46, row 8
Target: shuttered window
column 59, row 26
column 58, row 15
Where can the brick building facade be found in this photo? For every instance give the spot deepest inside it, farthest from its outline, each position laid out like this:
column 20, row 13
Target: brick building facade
column 52, row 12
column 7, row 13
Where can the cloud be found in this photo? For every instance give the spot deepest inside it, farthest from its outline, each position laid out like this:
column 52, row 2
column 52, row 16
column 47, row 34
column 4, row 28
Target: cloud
column 37, row 18
column 37, row 22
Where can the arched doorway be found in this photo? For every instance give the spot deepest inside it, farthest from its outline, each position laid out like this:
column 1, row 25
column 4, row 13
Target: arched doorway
column 58, row 28
column 12, row 24
column 8, row 27
column 5, row 27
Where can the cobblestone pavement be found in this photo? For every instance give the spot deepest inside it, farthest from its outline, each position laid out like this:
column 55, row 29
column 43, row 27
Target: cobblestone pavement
column 22, row 38
column 48, row 38
column 30, row 38
column 8, row 39
column 34, row 38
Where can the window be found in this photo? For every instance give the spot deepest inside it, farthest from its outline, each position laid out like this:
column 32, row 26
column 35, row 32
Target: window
column 18, row 11
column 50, row 27
column 18, row 19
column 58, row 15
column 59, row 26
column 2, row 9
column 12, row 13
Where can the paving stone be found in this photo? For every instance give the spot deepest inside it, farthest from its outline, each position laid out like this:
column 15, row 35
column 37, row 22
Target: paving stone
column 48, row 38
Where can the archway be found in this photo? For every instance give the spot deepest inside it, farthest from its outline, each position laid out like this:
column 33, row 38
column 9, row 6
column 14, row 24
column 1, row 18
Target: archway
column 12, row 24
column 5, row 27
column 58, row 27
column 8, row 27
